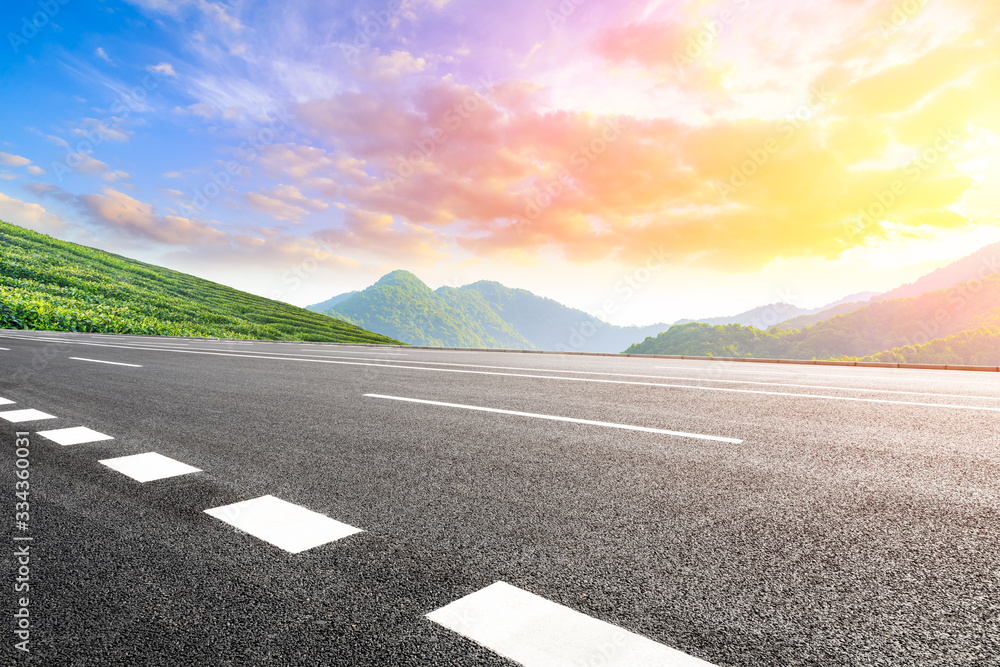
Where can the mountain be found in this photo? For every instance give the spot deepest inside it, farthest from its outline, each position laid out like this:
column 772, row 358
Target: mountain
column 331, row 302
column 810, row 319
column 767, row 316
column 851, row 298
column 61, row 286
column 976, row 347
column 482, row 314
column 400, row 305
column 974, row 267
column 971, row 268
column 870, row 330
column 760, row 317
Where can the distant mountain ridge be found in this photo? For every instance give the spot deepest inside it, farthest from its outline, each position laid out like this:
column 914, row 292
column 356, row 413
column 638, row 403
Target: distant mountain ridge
column 764, row 317
column 974, row 267
column 482, row 314
column 897, row 328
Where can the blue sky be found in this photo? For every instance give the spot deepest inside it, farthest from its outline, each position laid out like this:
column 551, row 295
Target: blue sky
column 764, row 150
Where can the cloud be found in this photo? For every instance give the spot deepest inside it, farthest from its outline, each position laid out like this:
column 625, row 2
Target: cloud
column 503, row 173
column 13, row 160
column 35, row 170
column 650, row 44
column 89, row 165
column 164, row 69
column 32, row 216
column 100, row 53
column 375, row 233
column 397, row 64
column 284, row 202
column 116, row 175
column 117, row 211
column 110, row 129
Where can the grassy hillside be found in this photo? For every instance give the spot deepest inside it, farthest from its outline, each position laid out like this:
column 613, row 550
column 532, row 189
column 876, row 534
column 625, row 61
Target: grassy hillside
column 60, row 286
column 871, row 330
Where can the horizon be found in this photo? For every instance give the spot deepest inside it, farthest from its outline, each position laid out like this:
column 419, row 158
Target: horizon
column 762, row 152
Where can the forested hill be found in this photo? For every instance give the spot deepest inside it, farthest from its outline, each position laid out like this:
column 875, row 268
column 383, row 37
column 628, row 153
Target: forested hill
column 482, row 314
column 874, row 329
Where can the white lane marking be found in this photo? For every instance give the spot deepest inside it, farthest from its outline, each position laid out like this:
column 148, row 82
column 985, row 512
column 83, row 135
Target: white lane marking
column 77, row 435
column 149, row 467
column 6, row 349
column 398, row 354
column 645, row 429
column 385, row 364
column 6, row 401
column 18, row 416
column 911, row 374
column 283, row 524
column 818, row 376
column 101, row 361
column 536, row 632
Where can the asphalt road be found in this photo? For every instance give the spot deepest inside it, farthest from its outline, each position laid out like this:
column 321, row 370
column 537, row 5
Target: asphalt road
column 831, row 516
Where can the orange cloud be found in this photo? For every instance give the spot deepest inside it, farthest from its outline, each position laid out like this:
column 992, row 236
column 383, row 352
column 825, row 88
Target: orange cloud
column 121, row 212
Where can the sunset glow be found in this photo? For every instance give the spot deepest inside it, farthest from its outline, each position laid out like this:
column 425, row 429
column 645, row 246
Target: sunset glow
column 768, row 150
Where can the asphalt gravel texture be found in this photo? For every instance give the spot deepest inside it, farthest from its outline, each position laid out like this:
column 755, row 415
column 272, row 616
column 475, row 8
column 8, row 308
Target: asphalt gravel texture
column 839, row 532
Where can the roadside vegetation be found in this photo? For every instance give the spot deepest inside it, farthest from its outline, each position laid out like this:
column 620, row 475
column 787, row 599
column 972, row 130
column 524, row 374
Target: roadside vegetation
column 59, row 286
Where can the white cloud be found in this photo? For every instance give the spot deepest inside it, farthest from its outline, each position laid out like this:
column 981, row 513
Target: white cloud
column 13, row 160
column 118, row 174
column 165, row 69
column 102, row 54
column 30, row 216
column 121, row 213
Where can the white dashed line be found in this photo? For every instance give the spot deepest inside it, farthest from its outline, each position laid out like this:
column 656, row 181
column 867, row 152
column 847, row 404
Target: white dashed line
column 385, row 363
column 283, row 524
column 588, row 422
column 101, row 361
column 149, row 467
column 18, row 416
column 6, row 401
column 536, row 632
column 76, row 435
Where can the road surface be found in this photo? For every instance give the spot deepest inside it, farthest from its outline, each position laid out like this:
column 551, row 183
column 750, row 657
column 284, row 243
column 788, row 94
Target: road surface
column 244, row 503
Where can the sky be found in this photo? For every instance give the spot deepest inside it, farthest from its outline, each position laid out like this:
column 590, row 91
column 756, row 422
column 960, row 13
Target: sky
column 644, row 161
